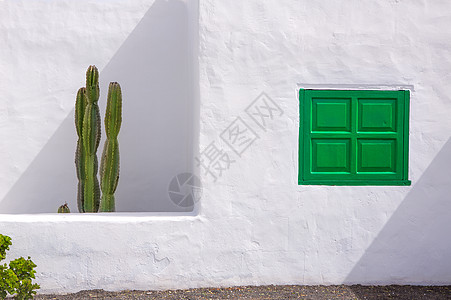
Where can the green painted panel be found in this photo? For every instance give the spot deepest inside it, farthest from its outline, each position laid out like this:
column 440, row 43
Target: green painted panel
column 353, row 137
column 331, row 114
column 376, row 156
column 331, row 155
column 377, row 115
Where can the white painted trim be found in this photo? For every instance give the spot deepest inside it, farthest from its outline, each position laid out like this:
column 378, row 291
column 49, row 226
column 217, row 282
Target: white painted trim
column 96, row 217
column 339, row 86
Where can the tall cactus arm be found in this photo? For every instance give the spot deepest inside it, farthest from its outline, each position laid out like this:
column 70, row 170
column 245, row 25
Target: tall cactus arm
column 109, row 166
column 91, row 129
column 92, row 84
column 109, row 175
column 91, row 140
column 113, row 114
column 81, row 175
column 80, row 107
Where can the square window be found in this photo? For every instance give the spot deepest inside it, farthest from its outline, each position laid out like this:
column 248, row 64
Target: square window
column 353, row 137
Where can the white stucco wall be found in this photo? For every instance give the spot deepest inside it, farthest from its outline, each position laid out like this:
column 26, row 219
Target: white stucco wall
column 255, row 224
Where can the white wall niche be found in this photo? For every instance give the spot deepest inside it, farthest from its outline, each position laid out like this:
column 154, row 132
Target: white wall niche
column 151, row 52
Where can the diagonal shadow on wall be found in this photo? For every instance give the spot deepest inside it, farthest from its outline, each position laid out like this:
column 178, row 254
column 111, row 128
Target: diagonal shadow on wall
column 156, row 67
column 414, row 247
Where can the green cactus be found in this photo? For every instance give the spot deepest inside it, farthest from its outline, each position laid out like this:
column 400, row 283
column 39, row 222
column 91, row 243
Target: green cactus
column 109, row 165
column 87, row 123
column 91, row 140
column 64, row 208
column 80, row 106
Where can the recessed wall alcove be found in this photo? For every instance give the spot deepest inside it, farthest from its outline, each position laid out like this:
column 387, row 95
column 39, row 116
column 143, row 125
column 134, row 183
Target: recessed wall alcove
column 156, row 66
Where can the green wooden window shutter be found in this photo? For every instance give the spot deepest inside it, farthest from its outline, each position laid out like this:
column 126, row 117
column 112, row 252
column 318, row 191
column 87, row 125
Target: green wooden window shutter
column 353, row 137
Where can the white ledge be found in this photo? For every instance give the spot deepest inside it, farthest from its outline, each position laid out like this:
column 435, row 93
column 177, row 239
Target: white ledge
column 363, row 86
column 98, row 217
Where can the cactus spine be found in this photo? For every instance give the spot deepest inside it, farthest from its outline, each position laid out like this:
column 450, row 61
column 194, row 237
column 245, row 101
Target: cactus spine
column 80, row 106
column 109, row 165
column 64, row 208
column 91, row 140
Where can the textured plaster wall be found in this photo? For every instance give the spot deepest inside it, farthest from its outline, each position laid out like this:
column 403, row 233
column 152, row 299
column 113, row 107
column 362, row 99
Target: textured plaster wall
column 254, row 224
